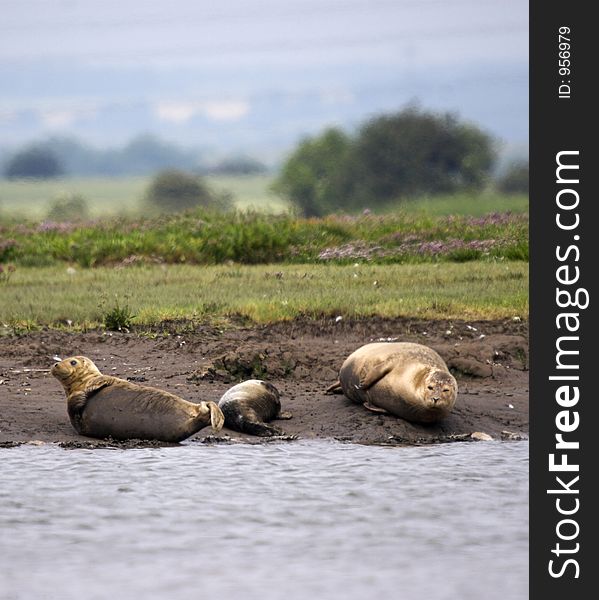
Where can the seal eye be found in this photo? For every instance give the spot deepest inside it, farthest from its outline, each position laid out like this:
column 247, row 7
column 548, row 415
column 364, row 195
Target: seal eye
column 73, row 362
column 430, row 387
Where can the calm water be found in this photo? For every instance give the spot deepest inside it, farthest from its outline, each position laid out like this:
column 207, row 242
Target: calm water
column 306, row 520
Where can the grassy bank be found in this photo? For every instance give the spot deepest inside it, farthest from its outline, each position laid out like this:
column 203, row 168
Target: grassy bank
column 62, row 296
column 456, row 257
column 255, row 238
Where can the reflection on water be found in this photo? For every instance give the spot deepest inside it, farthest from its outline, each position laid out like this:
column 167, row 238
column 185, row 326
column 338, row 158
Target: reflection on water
column 308, row 519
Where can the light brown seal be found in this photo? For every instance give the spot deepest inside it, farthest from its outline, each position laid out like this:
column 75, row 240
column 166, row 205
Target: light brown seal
column 102, row 406
column 249, row 404
column 408, row 380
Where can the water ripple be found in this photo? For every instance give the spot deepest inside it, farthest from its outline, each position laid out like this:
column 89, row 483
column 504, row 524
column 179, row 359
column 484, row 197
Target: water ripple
column 320, row 518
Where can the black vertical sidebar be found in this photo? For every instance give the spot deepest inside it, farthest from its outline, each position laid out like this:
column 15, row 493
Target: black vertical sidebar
column 564, row 269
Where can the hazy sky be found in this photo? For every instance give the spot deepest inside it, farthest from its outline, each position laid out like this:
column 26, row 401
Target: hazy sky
column 66, row 63
column 123, row 33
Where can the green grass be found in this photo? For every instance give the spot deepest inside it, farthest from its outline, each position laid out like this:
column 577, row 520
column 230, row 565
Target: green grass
column 473, row 204
column 57, row 296
column 111, row 196
column 106, row 196
column 250, row 192
column 431, row 258
column 251, row 238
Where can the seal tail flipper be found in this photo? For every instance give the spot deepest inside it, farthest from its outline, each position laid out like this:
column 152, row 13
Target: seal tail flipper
column 217, row 419
column 334, row 389
column 260, row 429
column 373, row 408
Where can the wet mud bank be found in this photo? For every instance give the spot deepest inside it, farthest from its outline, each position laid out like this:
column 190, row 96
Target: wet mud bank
column 301, row 358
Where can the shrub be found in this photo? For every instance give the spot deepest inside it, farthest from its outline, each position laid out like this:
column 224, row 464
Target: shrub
column 515, row 179
column 175, row 191
column 414, row 153
column 402, row 155
column 238, row 165
column 8, row 249
column 34, row 162
column 118, row 318
column 311, row 176
column 68, row 209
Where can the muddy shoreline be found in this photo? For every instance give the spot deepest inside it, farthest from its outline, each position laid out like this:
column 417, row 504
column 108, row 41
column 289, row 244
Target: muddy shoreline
column 301, row 358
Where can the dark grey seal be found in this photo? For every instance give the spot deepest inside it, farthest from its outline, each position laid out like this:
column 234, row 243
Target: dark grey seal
column 249, row 405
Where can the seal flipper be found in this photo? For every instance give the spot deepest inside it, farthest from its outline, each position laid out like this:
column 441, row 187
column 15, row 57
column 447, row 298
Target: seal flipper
column 98, row 383
column 374, row 374
column 334, row 389
column 75, row 406
column 76, row 402
column 260, row 429
column 217, row 419
column 373, row 408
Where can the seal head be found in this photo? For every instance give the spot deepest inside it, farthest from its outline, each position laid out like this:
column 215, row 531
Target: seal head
column 438, row 392
column 76, row 373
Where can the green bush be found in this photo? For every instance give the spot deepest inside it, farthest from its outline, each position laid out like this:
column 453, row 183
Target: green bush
column 238, row 165
column 407, row 154
column 35, row 163
column 311, row 177
column 68, row 209
column 176, row 191
column 515, row 179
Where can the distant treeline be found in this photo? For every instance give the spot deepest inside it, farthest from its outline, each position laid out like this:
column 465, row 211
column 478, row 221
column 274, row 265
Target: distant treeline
column 391, row 157
column 143, row 155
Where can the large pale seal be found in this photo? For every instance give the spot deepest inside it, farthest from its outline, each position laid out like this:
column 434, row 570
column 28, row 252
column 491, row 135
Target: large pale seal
column 102, row 406
column 408, row 380
column 248, row 405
